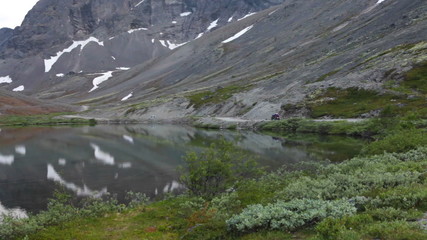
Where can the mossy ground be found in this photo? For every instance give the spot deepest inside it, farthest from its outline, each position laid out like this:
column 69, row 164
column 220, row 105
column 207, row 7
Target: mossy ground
column 353, row 102
column 219, row 95
column 409, row 95
column 46, row 120
column 416, row 79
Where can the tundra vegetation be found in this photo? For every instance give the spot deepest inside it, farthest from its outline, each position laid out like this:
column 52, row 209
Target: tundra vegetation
column 380, row 194
column 43, row 120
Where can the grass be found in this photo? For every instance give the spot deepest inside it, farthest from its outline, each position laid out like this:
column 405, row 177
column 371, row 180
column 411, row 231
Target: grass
column 347, row 103
column 403, row 47
column 367, row 128
column 145, row 105
column 399, row 141
column 160, row 220
column 329, row 74
column 416, row 78
column 219, row 95
column 46, row 120
column 353, row 102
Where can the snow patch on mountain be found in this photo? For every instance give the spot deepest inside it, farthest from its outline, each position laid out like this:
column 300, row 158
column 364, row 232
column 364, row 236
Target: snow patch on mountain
column 184, row 14
column 98, row 80
column 272, row 12
column 199, row 36
column 5, row 79
column 19, row 89
column 247, row 15
column 137, row 29
column 237, row 35
column 127, row 97
column 171, row 45
column 48, row 63
column 212, row 25
column 123, row 68
column 139, row 3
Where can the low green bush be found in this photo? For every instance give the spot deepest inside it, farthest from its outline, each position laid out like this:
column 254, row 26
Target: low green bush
column 58, row 211
column 367, row 128
column 395, row 230
column 363, row 226
column 400, row 141
column 390, row 214
column 402, row 197
column 359, row 175
column 288, row 216
column 336, row 228
column 225, row 204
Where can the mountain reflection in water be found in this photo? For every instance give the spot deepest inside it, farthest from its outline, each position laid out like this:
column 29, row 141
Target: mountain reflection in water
column 94, row 161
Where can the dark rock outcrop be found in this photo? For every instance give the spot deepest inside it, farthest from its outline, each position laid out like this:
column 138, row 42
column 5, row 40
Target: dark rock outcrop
column 5, row 34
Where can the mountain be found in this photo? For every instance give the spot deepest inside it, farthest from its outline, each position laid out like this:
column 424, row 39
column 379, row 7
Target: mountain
column 5, row 33
column 175, row 58
column 65, row 37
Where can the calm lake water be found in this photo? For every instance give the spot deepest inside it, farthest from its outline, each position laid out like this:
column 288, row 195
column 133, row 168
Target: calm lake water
column 94, row 161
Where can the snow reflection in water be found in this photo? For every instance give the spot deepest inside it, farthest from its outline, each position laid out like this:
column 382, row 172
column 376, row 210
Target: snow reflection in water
column 102, row 156
column 13, row 212
column 20, row 149
column 6, row 159
column 52, row 174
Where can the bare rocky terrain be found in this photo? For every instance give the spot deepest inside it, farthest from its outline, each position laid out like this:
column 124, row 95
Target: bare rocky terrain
column 152, row 59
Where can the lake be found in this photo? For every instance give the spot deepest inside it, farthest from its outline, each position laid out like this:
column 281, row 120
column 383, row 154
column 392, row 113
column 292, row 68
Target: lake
column 115, row 159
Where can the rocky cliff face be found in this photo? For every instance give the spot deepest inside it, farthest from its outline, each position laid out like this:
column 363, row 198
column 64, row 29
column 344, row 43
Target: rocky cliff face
column 53, row 23
column 5, row 34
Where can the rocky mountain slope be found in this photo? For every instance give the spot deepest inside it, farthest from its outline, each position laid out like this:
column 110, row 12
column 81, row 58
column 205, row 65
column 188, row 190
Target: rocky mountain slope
column 171, row 59
column 60, row 37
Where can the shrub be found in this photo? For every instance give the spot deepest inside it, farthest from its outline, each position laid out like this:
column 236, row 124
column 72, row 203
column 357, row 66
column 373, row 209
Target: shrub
column 359, row 175
column 362, row 226
column 390, row 214
column 401, row 141
column 59, row 210
column 395, row 230
column 136, row 199
column 402, row 197
column 336, row 228
column 225, row 204
column 340, row 185
column 217, row 169
column 288, row 215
